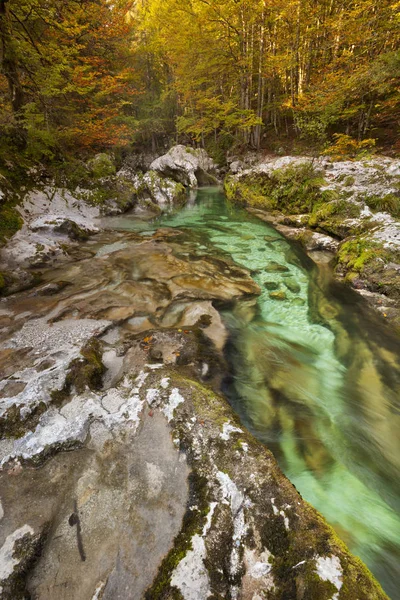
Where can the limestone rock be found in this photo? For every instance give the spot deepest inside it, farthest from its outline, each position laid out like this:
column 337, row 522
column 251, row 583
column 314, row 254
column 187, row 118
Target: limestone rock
column 185, row 165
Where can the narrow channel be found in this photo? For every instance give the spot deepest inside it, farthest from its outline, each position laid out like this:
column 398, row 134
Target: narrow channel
column 313, row 374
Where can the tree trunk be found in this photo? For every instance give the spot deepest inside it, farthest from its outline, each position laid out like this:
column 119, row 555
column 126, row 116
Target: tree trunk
column 9, row 68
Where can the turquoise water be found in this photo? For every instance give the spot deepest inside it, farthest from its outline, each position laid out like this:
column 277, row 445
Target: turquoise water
column 313, row 374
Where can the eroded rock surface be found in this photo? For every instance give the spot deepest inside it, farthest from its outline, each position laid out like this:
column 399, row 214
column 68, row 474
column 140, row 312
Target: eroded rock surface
column 124, row 473
column 169, row 496
column 190, row 167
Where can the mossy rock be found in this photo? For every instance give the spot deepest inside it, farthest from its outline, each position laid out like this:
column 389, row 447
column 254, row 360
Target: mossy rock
column 102, row 165
column 14, row 425
column 295, row 189
column 10, row 222
column 295, row 540
column 389, row 203
column 83, row 373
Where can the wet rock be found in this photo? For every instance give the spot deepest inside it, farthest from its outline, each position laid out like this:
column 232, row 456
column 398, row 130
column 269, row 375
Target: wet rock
column 271, row 285
column 50, row 289
column 200, row 314
column 18, row 280
column 274, row 267
column 279, row 295
column 292, row 286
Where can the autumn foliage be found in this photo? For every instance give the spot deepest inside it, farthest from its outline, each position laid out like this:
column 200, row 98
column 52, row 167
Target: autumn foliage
column 85, row 75
column 67, row 77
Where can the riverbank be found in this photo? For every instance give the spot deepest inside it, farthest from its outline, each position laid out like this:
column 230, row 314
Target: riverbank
column 123, row 453
column 348, row 209
column 114, row 427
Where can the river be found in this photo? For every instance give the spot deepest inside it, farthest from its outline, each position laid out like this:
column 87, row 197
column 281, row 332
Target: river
column 314, row 374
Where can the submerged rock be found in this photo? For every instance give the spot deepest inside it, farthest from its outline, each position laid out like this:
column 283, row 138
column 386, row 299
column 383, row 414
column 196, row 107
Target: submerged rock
column 279, row 295
column 271, row 285
column 353, row 215
column 274, row 267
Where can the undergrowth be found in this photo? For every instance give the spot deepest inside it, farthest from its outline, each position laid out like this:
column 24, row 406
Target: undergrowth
column 295, row 189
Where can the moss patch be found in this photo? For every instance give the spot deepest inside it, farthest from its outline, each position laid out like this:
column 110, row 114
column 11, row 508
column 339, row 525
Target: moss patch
column 389, row 203
column 14, row 425
column 85, row 372
column 10, row 222
column 193, row 522
column 295, row 189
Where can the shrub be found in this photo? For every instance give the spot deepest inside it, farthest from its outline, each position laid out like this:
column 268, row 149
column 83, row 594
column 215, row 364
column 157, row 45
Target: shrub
column 347, row 147
column 389, row 203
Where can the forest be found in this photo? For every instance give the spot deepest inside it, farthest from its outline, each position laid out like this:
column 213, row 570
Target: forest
column 80, row 76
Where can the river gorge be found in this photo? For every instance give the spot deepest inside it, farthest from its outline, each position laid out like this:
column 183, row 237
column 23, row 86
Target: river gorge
column 309, row 368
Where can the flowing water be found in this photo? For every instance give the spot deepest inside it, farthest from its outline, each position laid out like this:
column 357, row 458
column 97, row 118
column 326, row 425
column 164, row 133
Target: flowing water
column 314, row 375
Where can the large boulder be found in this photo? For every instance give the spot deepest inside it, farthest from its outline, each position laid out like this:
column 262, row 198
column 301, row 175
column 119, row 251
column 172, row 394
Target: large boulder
column 190, row 167
column 53, row 219
column 153, row 190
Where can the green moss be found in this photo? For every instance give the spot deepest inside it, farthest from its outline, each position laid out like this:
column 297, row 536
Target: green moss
column 102, row 165
column 389, row 203
column 349, row 181
column 193, row 522
column 330, row 217
column 85, row 372
column 10, row 222
column 355, row 254
column 13, row 425
column 295, row 189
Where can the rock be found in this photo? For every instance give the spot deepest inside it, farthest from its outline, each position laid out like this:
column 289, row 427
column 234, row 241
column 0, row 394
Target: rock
column 200, row 314
column 102, row 165
column 17, row 555
column 164, row 191
column 298, row 302
column 129, row 495
column 279, row 295
column 236, row 166
column 50, row 289
column 18, row 280
column 153, row 191
column 274, row 267
column 52, row 217
column 292, row 286
column 185, row 165
column 271, row 285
